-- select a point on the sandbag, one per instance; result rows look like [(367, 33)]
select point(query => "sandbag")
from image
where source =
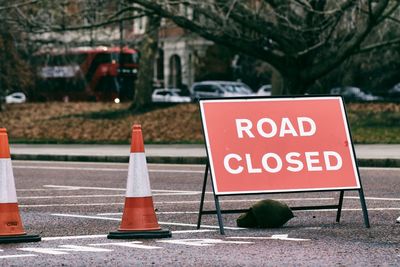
[(266, 214)]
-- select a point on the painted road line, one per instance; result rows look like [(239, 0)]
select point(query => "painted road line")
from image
[(69, 205), (274, 237), (348, 209), (86, 217), (162, 223), (117, 189), (71, 196), (184, 193), (202, 242), (17, 256), (119, 203), (57, 238), (97, 196), (132, 244), (158, 212), (192, 231), (72, 237), (102, 169), (172, 202), (68, 187), (46, 189), (376, 198), (64, 249), (203, 225)]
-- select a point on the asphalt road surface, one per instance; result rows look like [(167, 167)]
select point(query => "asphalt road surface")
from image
[(73, 206)]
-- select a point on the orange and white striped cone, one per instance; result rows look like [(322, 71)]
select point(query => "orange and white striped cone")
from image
[(11, 229), (139, 219)]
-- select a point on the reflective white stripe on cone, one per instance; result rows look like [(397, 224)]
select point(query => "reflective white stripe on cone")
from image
[(7, 185), (138, 184)]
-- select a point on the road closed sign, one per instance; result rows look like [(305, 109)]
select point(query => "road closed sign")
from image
[(268, 145)]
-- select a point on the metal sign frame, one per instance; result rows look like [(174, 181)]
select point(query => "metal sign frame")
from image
[(217, 195)]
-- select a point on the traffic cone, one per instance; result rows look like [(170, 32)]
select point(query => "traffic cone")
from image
[(139, 219), (11, 229)]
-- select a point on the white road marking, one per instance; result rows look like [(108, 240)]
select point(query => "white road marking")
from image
[(72, 237), (69, 205), (70, 196), (102, 169), (191, 231), (17, 256), (45, 189), (276, 237), (356, 209), (132, 244), (376, 198), (86, 217), (69, 168), (151, 165), (203, 225), (117, 189), (65, 249), (158, 212), (175, 202), (99, 196), (202, 242), (162, 223), (69, 187), (56, 238)]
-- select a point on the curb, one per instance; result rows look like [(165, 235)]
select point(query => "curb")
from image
[(382, 163)]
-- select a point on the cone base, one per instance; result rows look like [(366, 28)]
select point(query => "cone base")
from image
[(139, 234), (19, 239)]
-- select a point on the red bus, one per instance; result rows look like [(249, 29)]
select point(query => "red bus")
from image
[(86, 73)]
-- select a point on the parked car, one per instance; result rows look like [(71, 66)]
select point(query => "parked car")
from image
[(264, 90), (394, 92), (210, 89), (16, 98), (351, 93), (170, 95)]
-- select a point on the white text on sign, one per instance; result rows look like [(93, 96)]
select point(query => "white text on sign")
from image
[(273, 163)]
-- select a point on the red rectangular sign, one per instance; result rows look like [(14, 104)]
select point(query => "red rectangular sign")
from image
[(270, 145)]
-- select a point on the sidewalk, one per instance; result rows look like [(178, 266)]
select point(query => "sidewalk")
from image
[(367, 155)]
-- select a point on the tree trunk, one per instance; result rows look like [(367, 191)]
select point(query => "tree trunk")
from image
[(2, 100), (148, 51)]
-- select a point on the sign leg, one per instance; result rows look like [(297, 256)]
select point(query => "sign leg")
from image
[(203, 192), (219, 215), (364, 208), (340, 205)]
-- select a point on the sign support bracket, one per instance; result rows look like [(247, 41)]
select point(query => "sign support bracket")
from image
[(219, 212), (340, 205), (364, 207), (217, 206)]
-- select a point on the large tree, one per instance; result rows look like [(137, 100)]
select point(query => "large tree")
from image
[(15, 73), (148, 50), (303, 40)]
